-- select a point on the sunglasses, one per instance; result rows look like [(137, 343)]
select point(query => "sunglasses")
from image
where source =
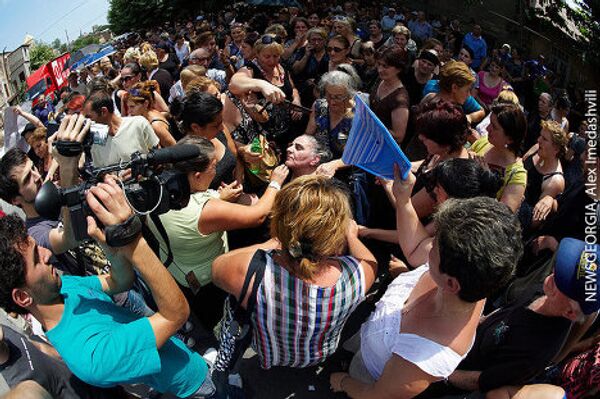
[(268, 39), (335, 49), (127, 78)]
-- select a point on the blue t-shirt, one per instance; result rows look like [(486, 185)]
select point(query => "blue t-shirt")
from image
[(479, 47), (470, 106), (105, 345)]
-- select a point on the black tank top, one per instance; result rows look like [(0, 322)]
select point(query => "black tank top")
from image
[(534, 181)]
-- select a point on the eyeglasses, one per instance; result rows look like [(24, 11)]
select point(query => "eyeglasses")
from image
[(199, 59), (337, 97), (268, 39), (335, 49)]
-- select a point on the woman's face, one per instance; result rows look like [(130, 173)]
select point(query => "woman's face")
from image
[(300, 28), (425, 67), (247, 51), (495, 69), (336, 50), (238, 34), (128, 78), (337, 97), (496, 134), (211, 46), (314, 20), (547, 148), (387, 72), (317, 42), (212, 129), (374, 29), (465, 57), (269, 58), (341, 28), (40, 148), (137, 108), (433, 148), (544, 105), (401, 40), (460, 94)]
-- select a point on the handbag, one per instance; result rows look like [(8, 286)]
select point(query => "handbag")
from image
[(235, 329), (269, 161)]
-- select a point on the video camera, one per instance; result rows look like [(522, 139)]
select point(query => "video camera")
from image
[(148, 190)]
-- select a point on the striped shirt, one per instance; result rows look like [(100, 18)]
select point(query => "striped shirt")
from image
[(298, 324)]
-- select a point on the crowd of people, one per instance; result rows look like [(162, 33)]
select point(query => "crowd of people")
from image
[(475, 275)]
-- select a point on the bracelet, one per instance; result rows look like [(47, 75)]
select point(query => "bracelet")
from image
[(342, 382), (275, 185)]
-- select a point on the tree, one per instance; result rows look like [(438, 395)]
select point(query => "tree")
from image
[(39, 54), (83, 41)]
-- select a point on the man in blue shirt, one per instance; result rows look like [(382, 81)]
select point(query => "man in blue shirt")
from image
[(477, 43), (43, 109), (420, 29), (102, 343)]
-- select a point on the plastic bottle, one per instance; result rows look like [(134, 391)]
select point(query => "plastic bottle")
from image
[(255, 147)]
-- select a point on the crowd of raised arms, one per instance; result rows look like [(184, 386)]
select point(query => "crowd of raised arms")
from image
[(473, 277)]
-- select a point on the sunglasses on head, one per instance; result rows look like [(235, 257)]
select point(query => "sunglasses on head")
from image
[(339, 18), (335, 49), (135, 92), (268, 39)]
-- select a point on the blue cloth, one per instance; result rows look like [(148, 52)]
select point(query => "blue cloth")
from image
[(421, 31), (43, 113), (105, 345), (370, 145), (470, 106), (479, 47)]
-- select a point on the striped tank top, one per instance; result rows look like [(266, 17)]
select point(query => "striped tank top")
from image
[(298, 324)]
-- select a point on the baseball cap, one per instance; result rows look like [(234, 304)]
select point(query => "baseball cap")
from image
[(576, 273), (431, 56)]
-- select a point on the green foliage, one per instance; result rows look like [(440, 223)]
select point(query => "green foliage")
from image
[(131, 15), (40, 53), (83, 41)]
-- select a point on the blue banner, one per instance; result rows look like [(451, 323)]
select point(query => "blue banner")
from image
[(370, 145)]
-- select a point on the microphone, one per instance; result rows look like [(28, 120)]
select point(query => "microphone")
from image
[(174, 154)]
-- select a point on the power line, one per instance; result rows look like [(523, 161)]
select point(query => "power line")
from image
[(61, 17)]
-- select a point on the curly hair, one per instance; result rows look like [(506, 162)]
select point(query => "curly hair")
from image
[(13, 237), (479, 242), (443, 122), (9, 187)]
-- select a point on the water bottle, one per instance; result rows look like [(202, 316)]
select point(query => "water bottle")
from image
[(255, 147)]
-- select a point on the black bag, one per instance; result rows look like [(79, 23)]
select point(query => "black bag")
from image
[(235, 330)]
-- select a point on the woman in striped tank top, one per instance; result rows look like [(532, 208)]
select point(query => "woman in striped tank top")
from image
[(309, 288)]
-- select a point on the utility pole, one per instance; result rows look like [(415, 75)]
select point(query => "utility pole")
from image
[(68, 42)]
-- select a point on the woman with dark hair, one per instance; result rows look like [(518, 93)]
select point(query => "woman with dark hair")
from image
[(467, 55), (292, 46), (338, 49), (376, 34), (389, 98), (500, 151), (201, 114), (310, 63), (443, 129), (198, 233), (345, 26), (491, 82), (131, 74)]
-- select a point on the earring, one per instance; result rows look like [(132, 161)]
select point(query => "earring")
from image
[(505, 145)]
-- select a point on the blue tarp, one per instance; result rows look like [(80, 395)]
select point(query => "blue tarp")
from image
[(89, 59)]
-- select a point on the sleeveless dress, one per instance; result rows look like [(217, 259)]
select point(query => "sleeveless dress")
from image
[(225, 166)]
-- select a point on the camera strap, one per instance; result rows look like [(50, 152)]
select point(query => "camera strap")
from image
[(161, 229), (119, 235)]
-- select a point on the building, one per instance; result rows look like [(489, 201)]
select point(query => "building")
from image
[(18, 66)]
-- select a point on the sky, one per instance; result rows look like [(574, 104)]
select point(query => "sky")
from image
[(47, 20)]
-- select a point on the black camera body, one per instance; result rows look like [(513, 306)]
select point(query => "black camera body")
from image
[(149, 191)]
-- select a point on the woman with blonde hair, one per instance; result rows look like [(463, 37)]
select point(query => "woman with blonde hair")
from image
[(345, 26), (149, 61), (307, 279), (455, 85), (140, 100), (545, 179), (267, 77)]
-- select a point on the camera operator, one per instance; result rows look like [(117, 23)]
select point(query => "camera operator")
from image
[(126, 135), (197, 233), (20, 182), (103, 344)]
